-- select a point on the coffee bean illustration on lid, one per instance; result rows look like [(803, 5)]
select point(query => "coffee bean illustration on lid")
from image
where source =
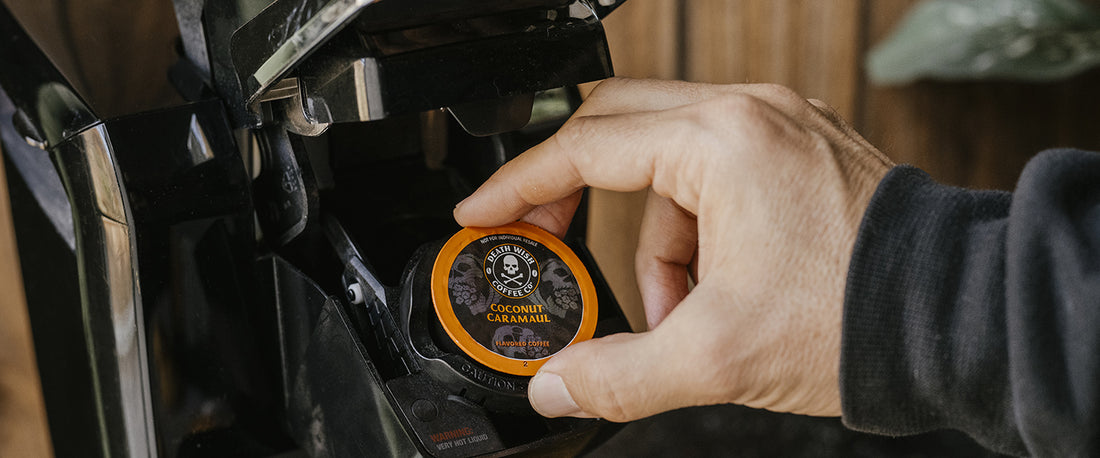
[(512, 296)]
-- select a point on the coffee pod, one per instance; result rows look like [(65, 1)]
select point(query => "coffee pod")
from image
[(510, 297)]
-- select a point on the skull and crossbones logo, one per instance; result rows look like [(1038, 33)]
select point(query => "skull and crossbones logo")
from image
[(511, 270), (511, 274)]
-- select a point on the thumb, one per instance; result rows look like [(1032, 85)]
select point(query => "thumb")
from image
[(621, 377)]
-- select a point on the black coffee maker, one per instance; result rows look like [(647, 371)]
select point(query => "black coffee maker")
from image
[(240, 274)]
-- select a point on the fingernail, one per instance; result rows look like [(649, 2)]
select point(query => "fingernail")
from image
[(459, 204), (550, 397)]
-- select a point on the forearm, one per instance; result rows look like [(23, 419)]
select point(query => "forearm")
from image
[(956, 304)]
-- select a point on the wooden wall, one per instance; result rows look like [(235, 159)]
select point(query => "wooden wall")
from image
[(23, 428), (967, 134)]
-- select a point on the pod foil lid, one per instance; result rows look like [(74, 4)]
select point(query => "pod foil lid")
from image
[(512, 296)]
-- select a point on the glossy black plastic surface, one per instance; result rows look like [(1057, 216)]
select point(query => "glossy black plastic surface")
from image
[(444, 64), (215, 378), (48, 110)]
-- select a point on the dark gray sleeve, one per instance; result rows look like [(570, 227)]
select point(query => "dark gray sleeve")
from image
[(979, 311)]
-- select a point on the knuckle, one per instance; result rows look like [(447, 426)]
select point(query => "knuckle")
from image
[(572, 134), (818, 140), (570, 140), (717, 119), (780, 92), (819, 144), (610, 85), (732, 105), (787, 100)]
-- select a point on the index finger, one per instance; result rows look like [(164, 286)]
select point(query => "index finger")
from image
[(602, 151), (607, 99), (614, 143)]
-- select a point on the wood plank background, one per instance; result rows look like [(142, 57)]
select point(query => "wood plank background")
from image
[(23, 429), (974, 134)]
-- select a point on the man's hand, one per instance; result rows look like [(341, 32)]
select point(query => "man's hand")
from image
[(756, 192)]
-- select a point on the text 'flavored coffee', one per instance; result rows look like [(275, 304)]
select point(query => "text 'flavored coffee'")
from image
[(512, 296)]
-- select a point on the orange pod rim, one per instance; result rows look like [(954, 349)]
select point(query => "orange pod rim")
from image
[(458, 333)]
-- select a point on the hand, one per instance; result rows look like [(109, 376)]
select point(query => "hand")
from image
[(755, 190)]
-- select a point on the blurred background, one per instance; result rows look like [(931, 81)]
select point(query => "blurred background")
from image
[(971, 131)]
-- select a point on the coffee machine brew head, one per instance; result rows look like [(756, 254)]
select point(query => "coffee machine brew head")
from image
[(308, 63)]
